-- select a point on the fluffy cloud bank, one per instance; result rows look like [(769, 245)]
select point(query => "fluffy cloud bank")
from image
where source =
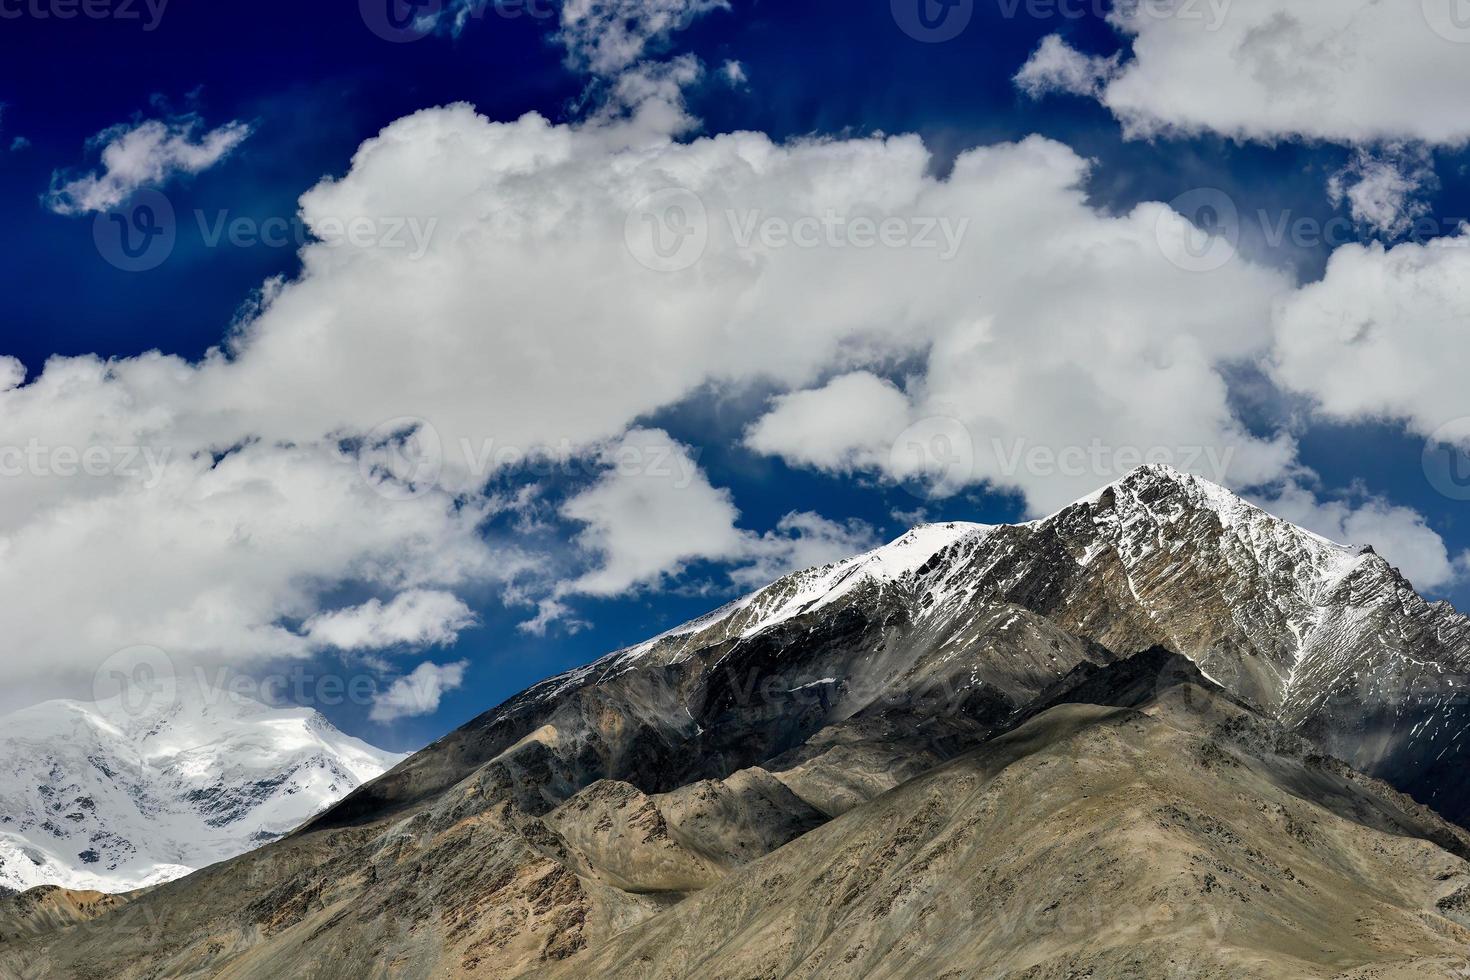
[(1041, 320), (579, 278), (220, 558), (651, 512), (1349, 71)]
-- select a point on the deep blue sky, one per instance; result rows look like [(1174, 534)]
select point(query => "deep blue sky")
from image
[(315, 82)]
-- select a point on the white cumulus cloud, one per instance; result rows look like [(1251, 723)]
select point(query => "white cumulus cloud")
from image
[(800, 540), (478, 336), (1382, 334), (1349, 71), (229, 504), (652, 511)]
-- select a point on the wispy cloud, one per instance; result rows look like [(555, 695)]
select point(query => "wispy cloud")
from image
[(417, 618), (1383, 189), (142, 154), (419, 693)]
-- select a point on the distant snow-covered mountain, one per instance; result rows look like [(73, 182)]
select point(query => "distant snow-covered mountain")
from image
[(93, 796)]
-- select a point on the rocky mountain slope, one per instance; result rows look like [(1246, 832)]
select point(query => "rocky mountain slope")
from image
[(1176, 836), (924, 761), (96, 797), (964, 623)]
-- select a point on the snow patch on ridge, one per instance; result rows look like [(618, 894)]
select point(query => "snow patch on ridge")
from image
[(820, 587)]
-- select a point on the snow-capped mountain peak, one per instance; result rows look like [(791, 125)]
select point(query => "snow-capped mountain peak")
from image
[(107, 796), (1327, 638), (1151, 507)]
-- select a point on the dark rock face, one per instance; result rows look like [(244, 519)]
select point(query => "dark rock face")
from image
[(654, 785)]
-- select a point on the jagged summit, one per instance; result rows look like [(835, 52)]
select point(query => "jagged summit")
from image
[(1322, 635), (1159, 482), (1152, 504)]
